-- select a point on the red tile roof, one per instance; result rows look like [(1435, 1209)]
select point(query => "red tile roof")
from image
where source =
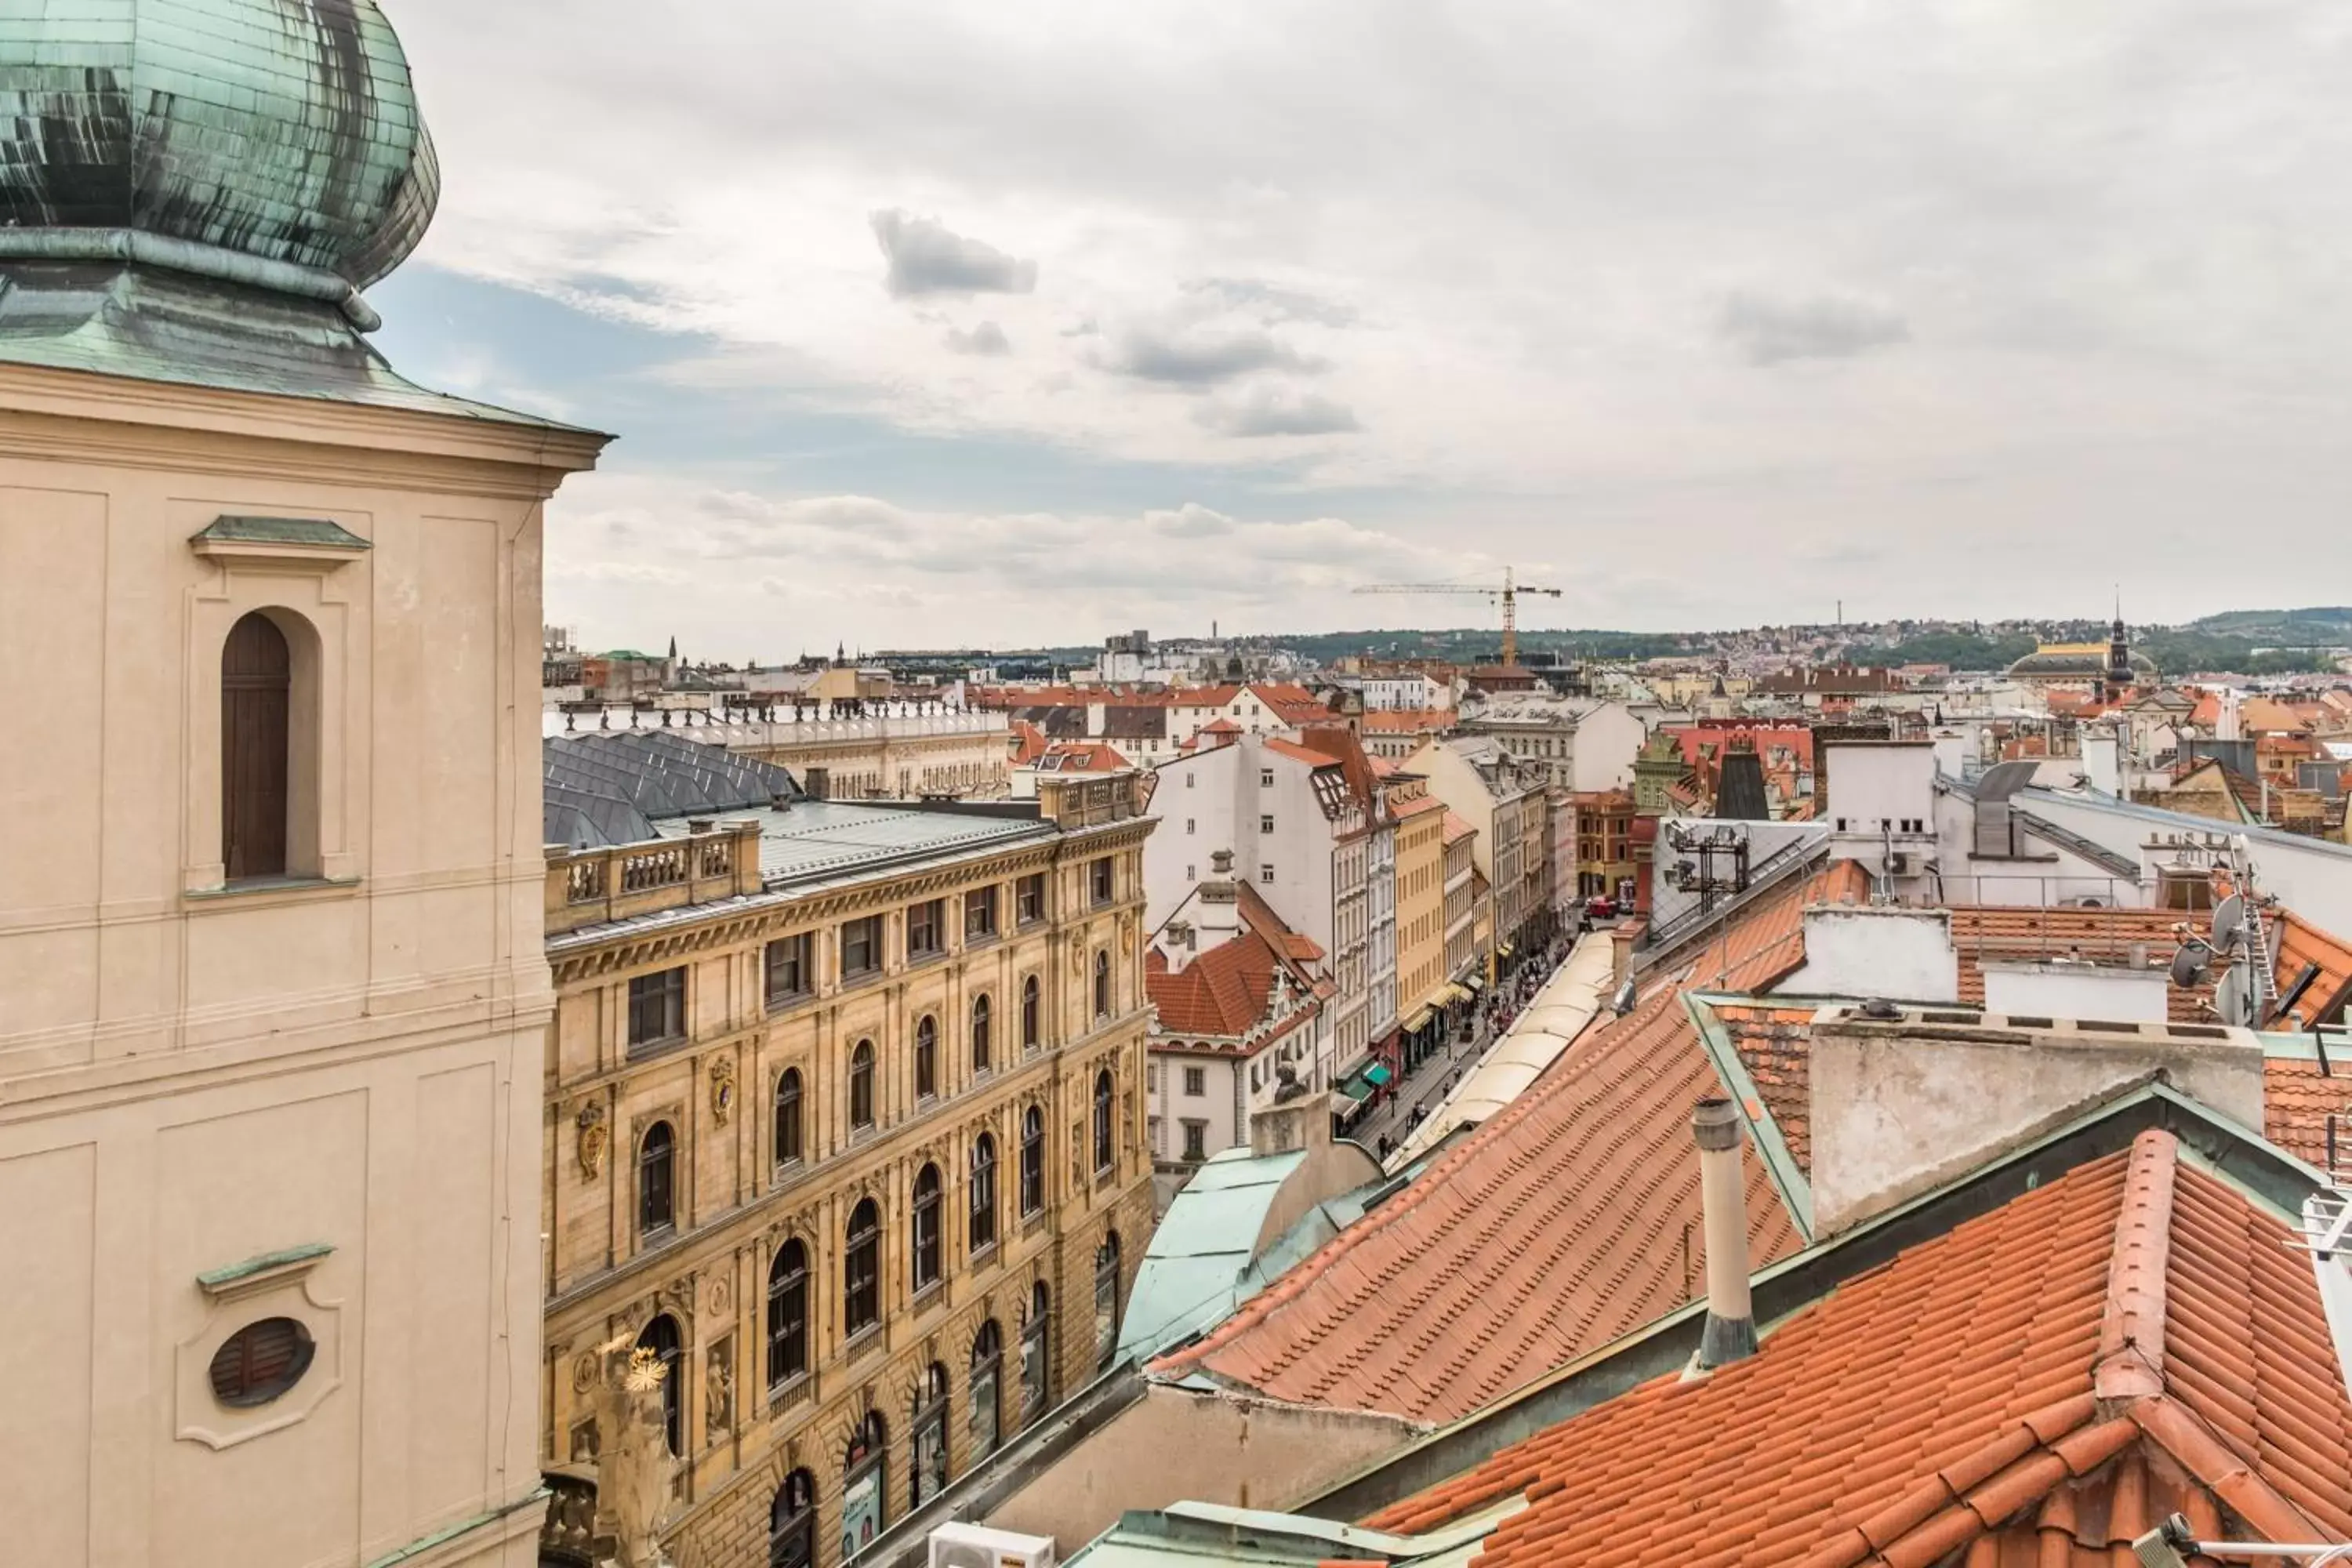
[(1552, 1229), (2031, 932), (1776, 1048), (1765, 941), (1409, 721), (1456, 829), (2036, 1386), (2303, 945), (1226, 991), (1081, 757), (2298, 1102)]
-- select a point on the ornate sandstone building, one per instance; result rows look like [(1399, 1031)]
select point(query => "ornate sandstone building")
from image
[(844, 1123), (273, 996)]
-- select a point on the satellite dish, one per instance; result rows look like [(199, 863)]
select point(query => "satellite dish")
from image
[(2227, 915), (2229, 997), (1622, 1003), (2188, 964)]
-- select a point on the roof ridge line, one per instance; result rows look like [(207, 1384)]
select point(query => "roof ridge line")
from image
[(2130, 1364), (2182, 1433)]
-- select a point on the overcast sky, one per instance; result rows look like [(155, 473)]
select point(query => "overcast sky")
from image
[(928, 324)]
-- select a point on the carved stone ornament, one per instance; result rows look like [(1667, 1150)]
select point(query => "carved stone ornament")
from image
[(632, 1461), (718, 1388), (722, 1088), (719, 1298), (595, 1139), (583, 1374)]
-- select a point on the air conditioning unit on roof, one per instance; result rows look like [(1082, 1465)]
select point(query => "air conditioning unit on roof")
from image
[(977, 1546)]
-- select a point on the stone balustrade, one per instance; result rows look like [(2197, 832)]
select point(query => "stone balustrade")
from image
[(590, 886)]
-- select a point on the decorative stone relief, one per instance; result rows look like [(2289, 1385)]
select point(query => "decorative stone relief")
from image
[(593, 1138), (722, 1088)]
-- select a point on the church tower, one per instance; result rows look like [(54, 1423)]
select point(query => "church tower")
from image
[(2118, 682)]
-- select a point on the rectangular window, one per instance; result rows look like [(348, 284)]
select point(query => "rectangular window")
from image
[(1189, 873), (927, 932), (656, 1008), (1196, 1139), (1029, 900), (1099, 880), (1265, 873), (979, 914), (789, 974), (1266, 778), (1188, 780), (1151, 1077), (1266, 825), (861, 946), (1196, 1082), (1189, 825)]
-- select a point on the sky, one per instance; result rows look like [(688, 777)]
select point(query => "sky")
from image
[(942, 324)]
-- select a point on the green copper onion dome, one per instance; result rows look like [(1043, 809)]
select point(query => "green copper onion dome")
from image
[(272, 143)]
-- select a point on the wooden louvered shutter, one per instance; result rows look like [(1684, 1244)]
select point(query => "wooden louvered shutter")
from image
[(256, 671)]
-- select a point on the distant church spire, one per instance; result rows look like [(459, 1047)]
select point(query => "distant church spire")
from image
[(2120, 665)]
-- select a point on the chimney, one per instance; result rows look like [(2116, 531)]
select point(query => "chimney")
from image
[(1730, 1333), (1217, 916)]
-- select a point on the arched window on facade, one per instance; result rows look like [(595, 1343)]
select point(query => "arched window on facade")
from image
[(256, 749), (661, 1336), (792, 1523), (1106, 1149), (656, 1181), (980, 1030), (987, 1368), (930, 1429), (861, 1270), (1106, 1301), (861, 1086), (926, 1057), (1102, 983), (984, 1192), (1032, 1160), (866, 1485), (787, 1318), (789, 1132), (927, 1227), (1036, 1354), (1031, 1020)]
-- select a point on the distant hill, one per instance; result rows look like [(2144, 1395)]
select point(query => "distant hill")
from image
[(2322, 625)]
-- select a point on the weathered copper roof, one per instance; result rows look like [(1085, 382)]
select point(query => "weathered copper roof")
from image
[(283, 130)]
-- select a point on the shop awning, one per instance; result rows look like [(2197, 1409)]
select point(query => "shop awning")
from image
[(1453, 993), (1376, 1075), (1472, 984), (1504, 951), (1419, 1021), (1356, 1088)]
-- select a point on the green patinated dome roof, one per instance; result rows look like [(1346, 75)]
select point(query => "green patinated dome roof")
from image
[(283, 130)]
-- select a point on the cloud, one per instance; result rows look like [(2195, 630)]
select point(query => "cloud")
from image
[(1276, 411), (1274, 305), (1764, 330), (928, 257), (987, 339), (1202, 356)]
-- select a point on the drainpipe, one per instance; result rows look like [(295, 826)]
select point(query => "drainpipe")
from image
[(1730, 1333)]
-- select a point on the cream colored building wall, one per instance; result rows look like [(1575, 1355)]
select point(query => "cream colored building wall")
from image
[(973, 763), (192, 1077), (1239, 1452), (1421, 910)]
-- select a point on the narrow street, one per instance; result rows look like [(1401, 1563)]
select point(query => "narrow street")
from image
[(1425, 1088)]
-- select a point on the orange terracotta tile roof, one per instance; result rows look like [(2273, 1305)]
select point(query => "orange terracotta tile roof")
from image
[(1776, 1048), (1408, 721), (1417, 806), (2036, 1386), (2297, 1100), (1262, 918), (1552, 1229), (1029, 742), (2030, 933), (1456, 829), (1081, 757), (1765, 941), (2302, 946)]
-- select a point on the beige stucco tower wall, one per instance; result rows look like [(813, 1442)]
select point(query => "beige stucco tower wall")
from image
[(321, 1092)]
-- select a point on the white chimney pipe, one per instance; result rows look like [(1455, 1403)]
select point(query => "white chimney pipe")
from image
[(1730, 1333)]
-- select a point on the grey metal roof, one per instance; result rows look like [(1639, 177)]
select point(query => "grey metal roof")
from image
[(1192, 1273), (819, 839), (282, 530), (655, 776)]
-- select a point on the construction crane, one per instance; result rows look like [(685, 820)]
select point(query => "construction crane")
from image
[(1508, 594)]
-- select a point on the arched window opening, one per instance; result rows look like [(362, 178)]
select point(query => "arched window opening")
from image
[(1105, 1149), (792, 1523), (1030, 1014), (866, 1485), (984, 1192), (256, 749), (980, 1029), (656, 1181), (1106, 1301), (927, 1227), (861, 1086), (1102, 983), (1036, 1359), (987, 1365), (931, 1426), (926, 1057), (661, 1336), (861, 1270), (789, 1132), (1033, 1160), (788, 1344)]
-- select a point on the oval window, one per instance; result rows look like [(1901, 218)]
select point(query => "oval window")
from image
[(261, 1361)]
